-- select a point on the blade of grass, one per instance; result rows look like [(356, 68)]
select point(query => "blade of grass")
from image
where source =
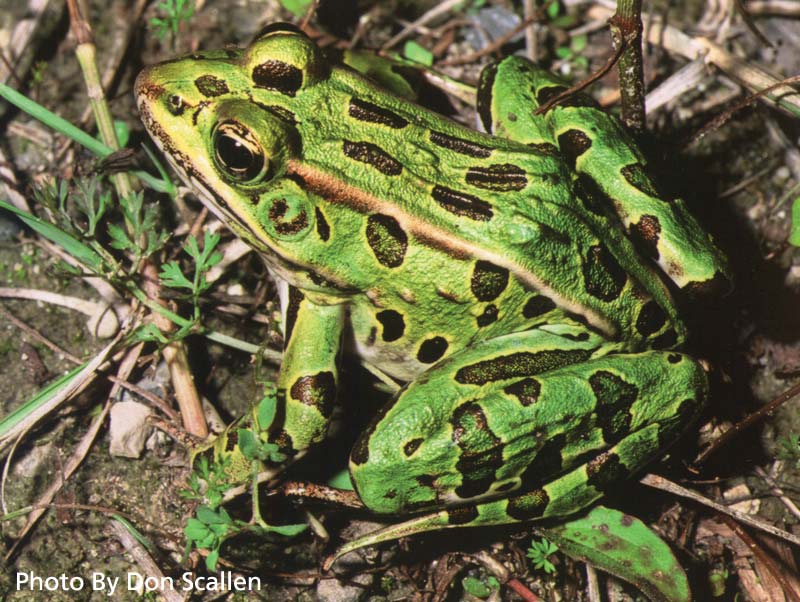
[(76, 134), (87, 256)]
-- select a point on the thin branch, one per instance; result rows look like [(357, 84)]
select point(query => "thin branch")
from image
[(663, 484)]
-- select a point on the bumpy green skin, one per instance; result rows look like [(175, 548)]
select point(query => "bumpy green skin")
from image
[(508, 278)]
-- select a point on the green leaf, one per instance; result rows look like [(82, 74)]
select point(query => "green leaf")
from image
[(563, 52), (539, 554), (288, 530), (149, 333), (476, 587), (417, 53), (578, 43), (624, 546), (195, 530), (296, 7), (553, 9), (341, 480), (211, 560), (265, 411), (172, 276), (213, 517), (247, 444), (794, 234), (119, 238)]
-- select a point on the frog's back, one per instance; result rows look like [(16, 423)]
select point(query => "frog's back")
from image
[(496, 204), (387, 195)]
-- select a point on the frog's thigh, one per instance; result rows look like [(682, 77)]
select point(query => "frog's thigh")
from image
[(308, 375), (549, 440), (611, 170)]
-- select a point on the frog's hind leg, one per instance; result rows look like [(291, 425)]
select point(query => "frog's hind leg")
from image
[(611, 170), (530, 425)]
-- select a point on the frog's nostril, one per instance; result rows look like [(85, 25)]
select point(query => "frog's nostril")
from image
[(175, 104)]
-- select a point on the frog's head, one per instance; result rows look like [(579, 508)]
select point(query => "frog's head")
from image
[(225, 120)]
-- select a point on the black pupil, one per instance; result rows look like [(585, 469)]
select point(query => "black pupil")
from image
[(238, 158)]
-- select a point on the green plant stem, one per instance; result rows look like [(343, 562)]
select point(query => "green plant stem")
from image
[(86, 54)]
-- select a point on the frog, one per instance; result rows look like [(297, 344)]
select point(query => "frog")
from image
[(521, 284)]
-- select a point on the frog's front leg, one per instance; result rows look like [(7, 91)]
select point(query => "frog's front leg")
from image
[(530, 425), (308, 378)]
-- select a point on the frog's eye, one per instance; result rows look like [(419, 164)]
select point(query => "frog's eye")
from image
[(237, 154)]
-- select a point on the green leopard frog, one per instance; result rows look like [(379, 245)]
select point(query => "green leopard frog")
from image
[(520, 282)]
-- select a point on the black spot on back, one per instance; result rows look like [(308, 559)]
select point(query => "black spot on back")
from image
[(459, 145), (547, 149), (393, 324), (372, 113), (636, 175), (360, 452), (605, 471), (481, 451), (603, 276), (593, 197), (537, 306), (521, 363), (281, 113), (292, 308), (488, 280), (461, 516), (686, 412), (489, 316), (546, 463), (485, 90), (645, 235), (614, 400), (462, 204), (651, 319), (317, 390), (528, 506), (279, 76), (372, 154), (501, 177), (323, 229), (411, 446), (573, 143), (210, 86), (387, 240), (432, 349), (526, 391)]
